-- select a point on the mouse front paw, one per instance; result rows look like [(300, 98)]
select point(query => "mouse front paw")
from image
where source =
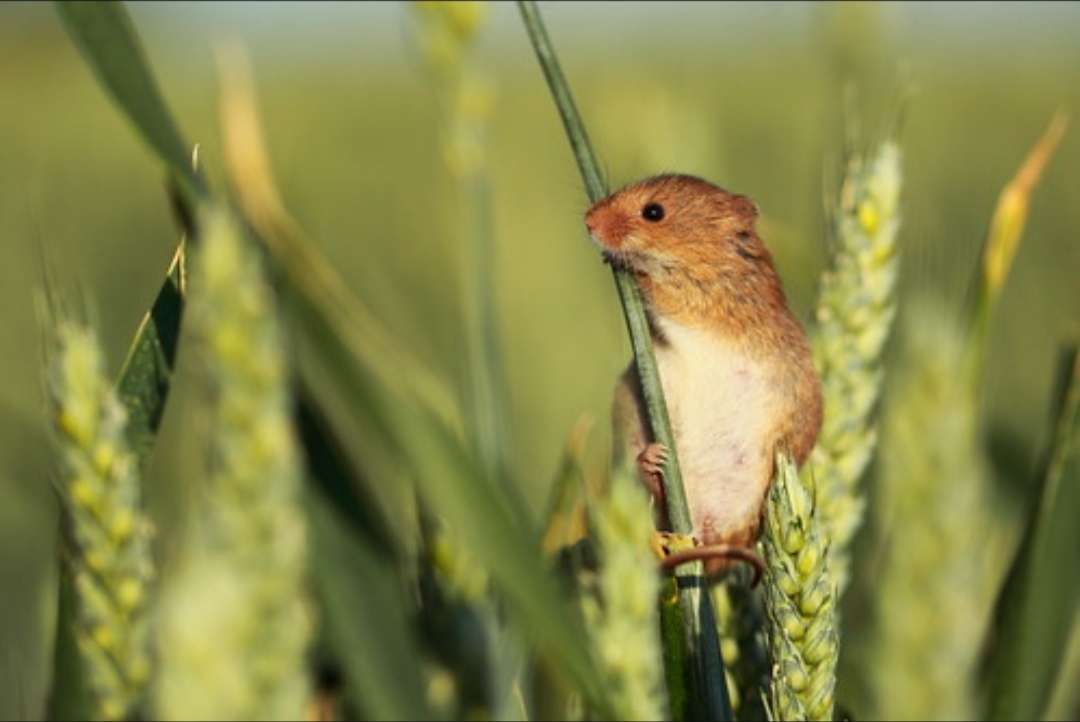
[(651, 461), (666, 543)]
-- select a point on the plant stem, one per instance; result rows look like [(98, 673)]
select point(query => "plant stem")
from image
[(486, 378), (707, 668), (564, 101), (629, 294)]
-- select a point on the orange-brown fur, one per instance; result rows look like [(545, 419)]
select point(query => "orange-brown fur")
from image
[(703, 267)]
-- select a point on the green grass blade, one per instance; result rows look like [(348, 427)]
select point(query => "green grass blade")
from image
[(486, 373), (352, 543), (336, 478), (1039, 600), (109, 41), (707, 666), (104, 33), (452, 482), (363, 607), (1065, 699), (304, 271), (144, 380)]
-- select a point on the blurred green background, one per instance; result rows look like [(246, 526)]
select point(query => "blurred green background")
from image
[(749, 96)]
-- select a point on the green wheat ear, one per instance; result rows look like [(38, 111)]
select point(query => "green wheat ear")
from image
[(620, 603), (108, 533), (235, 624), (855, 312), (934, 590), (800, 600)]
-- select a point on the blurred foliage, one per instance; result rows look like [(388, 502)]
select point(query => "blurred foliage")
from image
[(234, 619), (360, 165), (1028, 645), (621, 609), (940, 549)]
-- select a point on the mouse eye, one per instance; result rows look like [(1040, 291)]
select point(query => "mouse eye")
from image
[(652, 212)]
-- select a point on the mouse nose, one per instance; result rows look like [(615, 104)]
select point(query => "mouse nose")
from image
[(591, 223)]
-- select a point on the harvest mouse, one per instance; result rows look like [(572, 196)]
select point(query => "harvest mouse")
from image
[(734, 363)]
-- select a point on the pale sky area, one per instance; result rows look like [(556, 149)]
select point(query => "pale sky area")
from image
[(299, 30)]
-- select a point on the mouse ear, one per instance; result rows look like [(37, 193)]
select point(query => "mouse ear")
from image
[(749, 246), (746, 208)]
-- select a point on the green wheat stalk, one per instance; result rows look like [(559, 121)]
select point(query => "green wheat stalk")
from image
[(800, 600), (108, 539), (235, 624), (447, 33), (705, 665), (856, 306)]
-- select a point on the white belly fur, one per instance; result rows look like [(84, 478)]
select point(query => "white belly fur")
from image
[(720, 405)]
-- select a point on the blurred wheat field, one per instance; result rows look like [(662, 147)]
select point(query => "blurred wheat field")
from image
[(355, 142)]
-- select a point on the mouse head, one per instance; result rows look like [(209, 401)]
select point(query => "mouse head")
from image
[(689, 242), (668, 223)]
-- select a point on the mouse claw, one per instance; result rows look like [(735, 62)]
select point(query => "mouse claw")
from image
[(651, 461), (666, 543), (653, 458)]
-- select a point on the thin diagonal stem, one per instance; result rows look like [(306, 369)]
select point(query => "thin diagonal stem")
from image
[(708, 689)]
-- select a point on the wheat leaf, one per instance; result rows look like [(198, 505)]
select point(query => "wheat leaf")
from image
[(144, 380), (1038, 601), (367, 627), (104, 33)]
